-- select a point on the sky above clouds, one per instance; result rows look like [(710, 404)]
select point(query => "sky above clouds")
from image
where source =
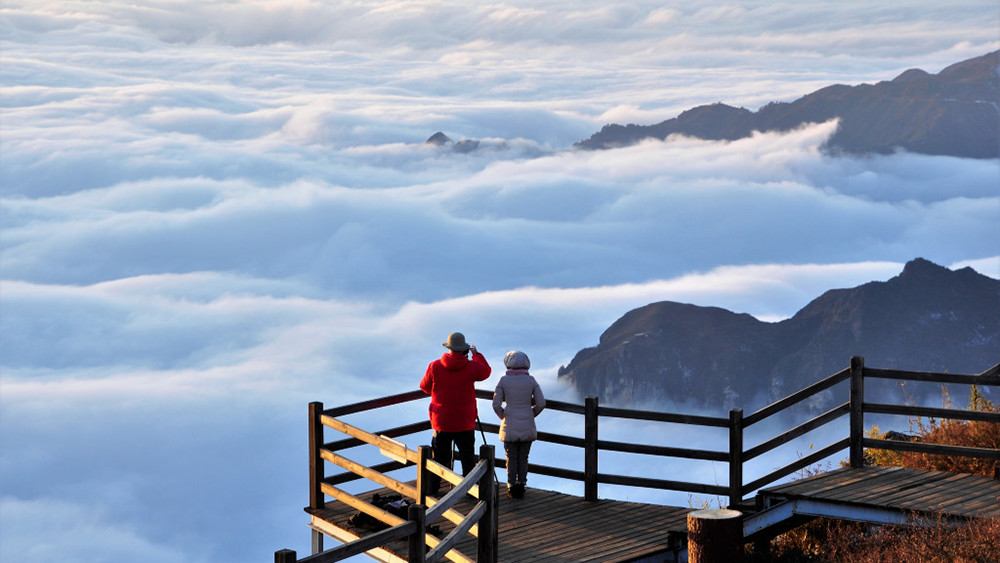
[(215, 212)]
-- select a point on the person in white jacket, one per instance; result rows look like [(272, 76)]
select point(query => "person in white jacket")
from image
[(524, 401)]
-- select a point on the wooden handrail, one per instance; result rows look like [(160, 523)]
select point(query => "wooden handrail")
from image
[(466, 486), (364, 544), (799, 430), (356, 503), (448, 543), (380, 442), (663, 451), (653, 416), (985, 378), (347, 476), (799, 396), (375, 403), (367, 473), (954, 414), (391, 433), (797, 465), (647, 483), (571, 474), (937, 449), (550, 404)]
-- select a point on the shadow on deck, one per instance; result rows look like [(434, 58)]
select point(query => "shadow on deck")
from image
[(549, 527)]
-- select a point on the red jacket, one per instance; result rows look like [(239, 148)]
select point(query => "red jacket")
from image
[(451, 383)]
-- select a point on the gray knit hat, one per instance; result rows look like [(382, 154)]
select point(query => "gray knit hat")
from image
[(515, 359), (456, 343)]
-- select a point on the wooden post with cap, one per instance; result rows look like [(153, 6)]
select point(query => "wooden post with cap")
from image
[(715, 535)]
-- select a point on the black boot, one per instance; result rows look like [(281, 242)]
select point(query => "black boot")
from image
[(519, 490), (510, 490)]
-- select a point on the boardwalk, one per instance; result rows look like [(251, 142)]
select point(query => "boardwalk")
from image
[(551, 527)]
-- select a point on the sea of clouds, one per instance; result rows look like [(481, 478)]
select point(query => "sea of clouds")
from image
[(215, 212)]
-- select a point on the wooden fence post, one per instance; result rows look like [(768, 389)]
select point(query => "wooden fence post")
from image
[(590, 449), (417, 541), (285, 556), (316, 499), (422, 474), (487, 544), (735, 457), (315, 461), (857, 411)]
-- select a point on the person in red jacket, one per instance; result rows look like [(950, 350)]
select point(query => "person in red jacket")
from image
[(450, 381)]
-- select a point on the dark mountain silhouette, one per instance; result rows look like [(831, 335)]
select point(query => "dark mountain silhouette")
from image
[(442, 140), (928, 318), (955, 112)]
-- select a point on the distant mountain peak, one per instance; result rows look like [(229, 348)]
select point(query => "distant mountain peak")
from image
[(951, 113), (464, 146), (923, 269), (438, 138), (912, 74)]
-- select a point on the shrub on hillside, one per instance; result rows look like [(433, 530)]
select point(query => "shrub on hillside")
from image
[(975, 434), (825, 541)]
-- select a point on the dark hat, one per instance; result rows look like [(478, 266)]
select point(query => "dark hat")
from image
[(456, 342)]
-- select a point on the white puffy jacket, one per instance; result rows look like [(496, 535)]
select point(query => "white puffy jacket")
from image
[(524, 400)]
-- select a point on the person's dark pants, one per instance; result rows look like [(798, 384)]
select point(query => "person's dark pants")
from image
[(444, 444), (517, 461)]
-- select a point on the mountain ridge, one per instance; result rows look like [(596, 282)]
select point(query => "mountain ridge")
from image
[(927, 318), (955, 112)]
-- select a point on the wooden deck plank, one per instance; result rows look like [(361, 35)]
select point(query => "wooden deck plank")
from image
[(875, 490), (951, 494), (962, 495), (597, 527), (552, 527), (865, 485), (977, 501), (843, 478), (914, 494), (882, 494), (988, 507)]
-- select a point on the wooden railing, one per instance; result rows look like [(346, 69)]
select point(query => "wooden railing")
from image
[(480, 482), (856, 407), (591, 444)]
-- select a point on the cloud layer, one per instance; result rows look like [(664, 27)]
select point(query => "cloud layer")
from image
[(215, 212)]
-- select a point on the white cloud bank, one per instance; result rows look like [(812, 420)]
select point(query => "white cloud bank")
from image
[(214, 212)]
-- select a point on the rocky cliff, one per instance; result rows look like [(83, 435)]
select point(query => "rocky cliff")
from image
[(928, 318)]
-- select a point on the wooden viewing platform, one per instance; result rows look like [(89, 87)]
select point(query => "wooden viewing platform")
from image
[(474, 523), (549, 527)]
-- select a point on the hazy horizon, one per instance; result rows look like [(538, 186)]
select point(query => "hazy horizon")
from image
[(215, 212)]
